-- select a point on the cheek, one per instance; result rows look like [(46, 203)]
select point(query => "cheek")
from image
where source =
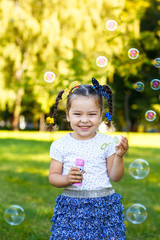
[(96, 120), (99, 120), (73, 120)]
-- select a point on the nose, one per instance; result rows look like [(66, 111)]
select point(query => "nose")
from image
[(84, 119)]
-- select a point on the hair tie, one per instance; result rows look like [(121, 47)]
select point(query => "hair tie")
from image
[(108, 116), (49, 120), (67, 90), (98, 88)]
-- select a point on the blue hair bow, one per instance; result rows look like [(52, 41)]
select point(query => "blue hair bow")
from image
[(108, 116), (99, 88)]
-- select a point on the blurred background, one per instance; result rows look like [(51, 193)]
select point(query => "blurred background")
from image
[(66, 38)]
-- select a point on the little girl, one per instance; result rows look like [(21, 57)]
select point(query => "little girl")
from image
[(92, 210)]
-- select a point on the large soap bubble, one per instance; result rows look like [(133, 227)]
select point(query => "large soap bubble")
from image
[(136, 214), (139, 169), (101, 61), (14, 215), (49, 77), (133, 53), (111, 25), (150, 115), (155, 84)]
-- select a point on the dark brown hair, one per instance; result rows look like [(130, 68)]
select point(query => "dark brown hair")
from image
[(86, 91)]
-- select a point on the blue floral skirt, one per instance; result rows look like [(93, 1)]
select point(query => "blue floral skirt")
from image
[(88, 218)]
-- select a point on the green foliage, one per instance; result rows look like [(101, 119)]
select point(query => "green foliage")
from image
[(143, 191), (66, 38)]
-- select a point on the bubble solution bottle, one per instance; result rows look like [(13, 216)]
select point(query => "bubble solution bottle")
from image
[(80, 164)]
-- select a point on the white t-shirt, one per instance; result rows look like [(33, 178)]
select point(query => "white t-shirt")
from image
[(94, 151)]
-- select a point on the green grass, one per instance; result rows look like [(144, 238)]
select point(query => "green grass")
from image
[(24, 164), (144, 191)]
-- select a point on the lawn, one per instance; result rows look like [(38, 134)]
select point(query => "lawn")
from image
[(24, 168)]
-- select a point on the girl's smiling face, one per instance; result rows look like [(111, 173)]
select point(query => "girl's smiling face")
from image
[(84, 116)]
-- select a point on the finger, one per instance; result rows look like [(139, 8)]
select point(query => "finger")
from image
[(74, 169), (124, 143), (77, 180), (77, 173), (124, 140), (76, 176)]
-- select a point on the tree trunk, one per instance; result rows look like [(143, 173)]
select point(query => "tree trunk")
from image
[(126, 110), (20, 92), (42, 122), (17, 109)]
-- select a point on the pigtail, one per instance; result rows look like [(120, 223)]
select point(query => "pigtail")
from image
[(110, 104), (59, 97), (51, 121)]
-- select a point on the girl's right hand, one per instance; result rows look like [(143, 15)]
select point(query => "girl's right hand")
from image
[(75, 176)]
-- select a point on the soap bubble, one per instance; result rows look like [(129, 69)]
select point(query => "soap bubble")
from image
[(150, 115), (156, 62), (49, 77), (111, 25), (139, 86), (139, 169), (14, 215), (137, 213), (101, 61), (133, 53), (155, 84)]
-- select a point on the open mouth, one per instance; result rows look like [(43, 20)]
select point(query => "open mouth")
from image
[(84, 127)]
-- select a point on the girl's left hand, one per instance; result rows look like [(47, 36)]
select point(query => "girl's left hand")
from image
[(122, 148)]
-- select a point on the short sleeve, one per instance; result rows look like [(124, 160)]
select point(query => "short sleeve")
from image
[(56, 151), (111, 149)]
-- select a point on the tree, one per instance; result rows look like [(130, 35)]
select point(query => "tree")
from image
[(66, 38)]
